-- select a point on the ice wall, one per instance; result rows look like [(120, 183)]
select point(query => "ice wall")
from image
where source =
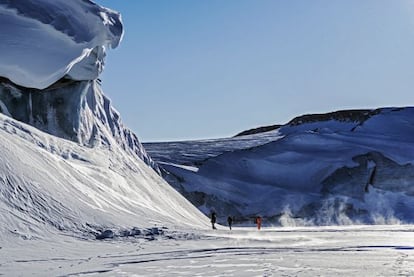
[(51, 55), (46, 40)]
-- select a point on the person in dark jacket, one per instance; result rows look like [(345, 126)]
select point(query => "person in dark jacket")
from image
[(230, 221), (259, 222), (213, 220)]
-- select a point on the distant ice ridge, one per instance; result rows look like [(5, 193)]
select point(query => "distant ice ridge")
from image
[(46, 40), (346, 167)]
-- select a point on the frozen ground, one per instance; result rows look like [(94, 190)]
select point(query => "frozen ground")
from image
[(326, 251)]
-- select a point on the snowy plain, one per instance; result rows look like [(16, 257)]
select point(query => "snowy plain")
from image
[(312, 251)]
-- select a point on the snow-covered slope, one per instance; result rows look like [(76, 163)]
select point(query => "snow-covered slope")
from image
[(354, 168), (67, 163), (48, 184)]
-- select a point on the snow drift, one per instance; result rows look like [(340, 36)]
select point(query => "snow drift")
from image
[(48, 184), (340, 168)]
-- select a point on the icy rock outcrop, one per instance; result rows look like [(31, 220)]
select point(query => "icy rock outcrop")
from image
[(355, 181)]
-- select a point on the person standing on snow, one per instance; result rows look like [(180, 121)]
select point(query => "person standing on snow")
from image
[(259, 222), (230, 221), (213, 220)]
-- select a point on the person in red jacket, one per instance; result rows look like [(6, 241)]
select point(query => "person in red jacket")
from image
[(259, 222)]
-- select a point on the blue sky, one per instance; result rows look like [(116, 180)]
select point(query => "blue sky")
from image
[(189, 69)]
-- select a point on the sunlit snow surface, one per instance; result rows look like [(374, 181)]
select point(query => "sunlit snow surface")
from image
[(322, 251), (45, 40), (51, 185)]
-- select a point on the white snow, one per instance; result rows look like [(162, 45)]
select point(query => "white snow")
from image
[(51, 39), (49, 184), (289, 172), (322, 251), (187, 152), (100, 181)]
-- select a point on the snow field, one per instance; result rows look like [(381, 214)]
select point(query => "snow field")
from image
[(317, 251)]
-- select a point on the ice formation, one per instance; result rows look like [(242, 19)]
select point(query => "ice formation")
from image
[(44, 40), (50, 57), (67, 162)]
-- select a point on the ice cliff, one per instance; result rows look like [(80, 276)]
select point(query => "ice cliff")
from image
[(44, 41), (51, 55), (67, 163)]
